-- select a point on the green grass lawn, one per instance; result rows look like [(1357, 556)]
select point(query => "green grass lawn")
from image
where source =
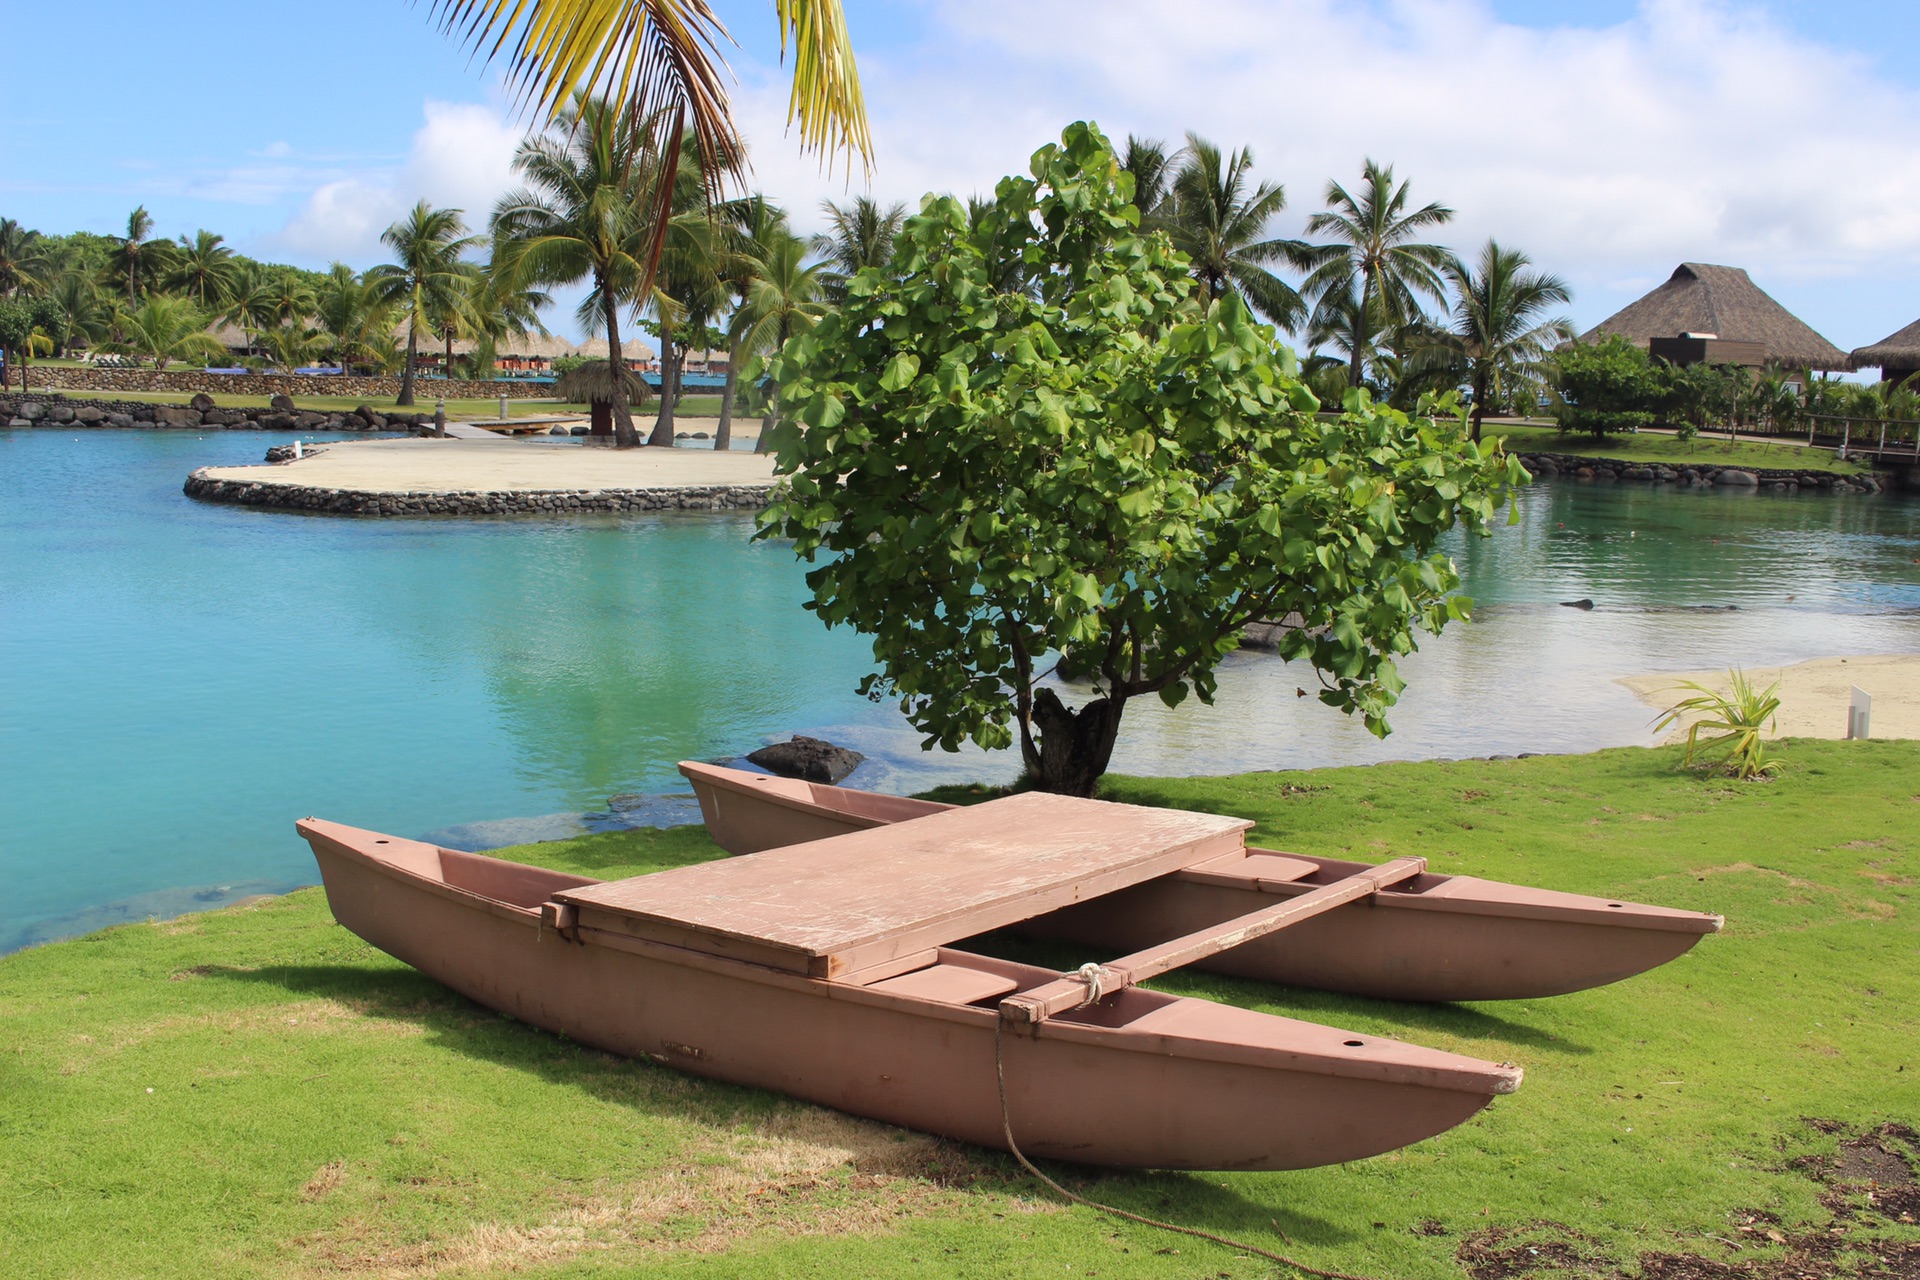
[(256, 1092), (1651, 447)]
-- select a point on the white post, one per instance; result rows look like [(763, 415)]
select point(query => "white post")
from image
[(503, 408), (1859, 714), (296, 450)]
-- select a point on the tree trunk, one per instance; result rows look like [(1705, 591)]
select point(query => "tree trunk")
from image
[(406, 377), (1074, 747), (1356, 364), (446, 368), (624, 436), (723, 434), (662, 436), (1479, 402)]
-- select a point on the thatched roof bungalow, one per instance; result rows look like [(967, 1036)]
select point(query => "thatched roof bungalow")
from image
[(632, 350), (1897, 355), (1719, 315)]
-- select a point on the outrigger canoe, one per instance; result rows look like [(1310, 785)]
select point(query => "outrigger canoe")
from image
[(824, 971), (1432, 937)]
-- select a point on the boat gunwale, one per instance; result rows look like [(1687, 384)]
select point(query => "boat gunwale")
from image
[(738, 787), (1634, 914), (1491, 1079)]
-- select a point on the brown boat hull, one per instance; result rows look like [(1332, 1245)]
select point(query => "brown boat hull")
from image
[(1144, 1080), (1453, 938)]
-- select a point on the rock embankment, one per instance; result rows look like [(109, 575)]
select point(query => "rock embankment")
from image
[(1547, 466), (69, 378), (361, 502), (65, 413)]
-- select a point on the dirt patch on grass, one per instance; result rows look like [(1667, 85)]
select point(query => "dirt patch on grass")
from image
[(1870, 1192), (803, 1171)]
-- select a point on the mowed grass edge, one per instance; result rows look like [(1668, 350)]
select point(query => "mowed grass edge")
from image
[(256, 1092)]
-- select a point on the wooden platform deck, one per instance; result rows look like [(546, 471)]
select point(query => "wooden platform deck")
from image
[(874, 903)]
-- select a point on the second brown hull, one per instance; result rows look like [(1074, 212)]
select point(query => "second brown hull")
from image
[(1449, 938)]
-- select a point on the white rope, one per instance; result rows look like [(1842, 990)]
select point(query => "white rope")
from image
[(1096, 979)]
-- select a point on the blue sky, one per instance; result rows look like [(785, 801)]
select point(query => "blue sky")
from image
[(1611, 140)]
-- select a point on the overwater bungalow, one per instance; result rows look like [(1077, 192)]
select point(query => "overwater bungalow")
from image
[(1718, 315), (1897, 355)]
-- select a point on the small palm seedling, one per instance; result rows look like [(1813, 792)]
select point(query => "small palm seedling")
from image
[(1735, 720)]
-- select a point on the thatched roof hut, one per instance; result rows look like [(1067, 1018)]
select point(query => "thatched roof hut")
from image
[(1897, 355), (630, 349), (1704, 302)]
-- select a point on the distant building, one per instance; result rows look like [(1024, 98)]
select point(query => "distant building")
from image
[(1718, 315), (1897, 355)]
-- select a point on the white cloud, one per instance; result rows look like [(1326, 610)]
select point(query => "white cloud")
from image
[(461, 157), (1693, 130)]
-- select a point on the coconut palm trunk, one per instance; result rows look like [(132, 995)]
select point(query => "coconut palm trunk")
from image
[(662, 436), (406, 376), (723, 434), (624, 436)]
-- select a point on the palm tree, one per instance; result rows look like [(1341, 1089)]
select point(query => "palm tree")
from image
[(763, 226), (165, 328), (358, 330), (659, 61), (1500, 326), (579, 218), (1339, 323), (429, 278), (1152, 169), (1221, 225), (1374, 247), (205, 268), (690, 289), (138, 258), (81, 311), (498, 309), (291, 345), (250, 305), (784, 298), (23, 259), (860, 234)]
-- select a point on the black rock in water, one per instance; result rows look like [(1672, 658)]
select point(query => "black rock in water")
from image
[(809, 759), (1576, 604)]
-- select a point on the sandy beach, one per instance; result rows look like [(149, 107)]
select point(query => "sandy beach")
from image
[(502, 466), (1814, 695)]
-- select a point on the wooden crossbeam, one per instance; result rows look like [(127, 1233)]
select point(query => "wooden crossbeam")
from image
[(1071, 992)]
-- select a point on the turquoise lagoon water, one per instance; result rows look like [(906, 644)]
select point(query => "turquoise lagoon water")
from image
[(178, 681)]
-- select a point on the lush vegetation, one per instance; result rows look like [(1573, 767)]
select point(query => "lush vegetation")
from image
[(1112, 468), (1612, 387), (1669, 448), (317, 1106)]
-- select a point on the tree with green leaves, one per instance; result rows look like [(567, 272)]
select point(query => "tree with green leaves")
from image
[(859, 234), (1152, 169), (80, 313), (205, 268), (1374, 254), (1608, 386), (428, 278), (1105, 474), (1218, 217), (580, 218), (165, 328), (783, 298), (763, 225), (1501, 329), (23, 259)]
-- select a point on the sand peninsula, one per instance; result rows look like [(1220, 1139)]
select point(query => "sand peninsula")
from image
[(490, 477)]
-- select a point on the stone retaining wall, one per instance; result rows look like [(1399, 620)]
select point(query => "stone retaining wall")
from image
[(1547, 466), (360, 502), (63, 412), (70, 378)]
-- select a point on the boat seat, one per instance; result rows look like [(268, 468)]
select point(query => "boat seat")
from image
[(947, 983)]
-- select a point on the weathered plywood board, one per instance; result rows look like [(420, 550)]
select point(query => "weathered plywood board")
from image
[(848, 903)]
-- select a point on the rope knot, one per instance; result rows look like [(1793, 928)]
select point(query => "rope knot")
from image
[(1096, 979)]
